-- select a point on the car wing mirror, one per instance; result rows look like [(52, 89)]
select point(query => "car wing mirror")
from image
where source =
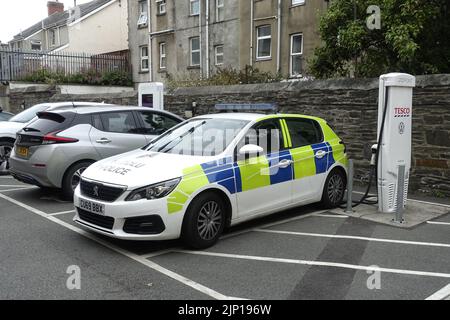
[(250, 150)]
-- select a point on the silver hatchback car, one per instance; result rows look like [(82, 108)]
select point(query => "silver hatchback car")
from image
[(54, 150)]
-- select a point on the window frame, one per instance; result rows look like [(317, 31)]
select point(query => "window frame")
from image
[(159, 5), (218, 8), (141, 122), (143, 58), (295, 3), (191, 52), (191, 6), (261, 38), (143, 12), (162, 56), (220, 54), (136, 122), (292, 55)]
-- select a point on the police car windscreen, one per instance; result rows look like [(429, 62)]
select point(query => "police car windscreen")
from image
[(199, 137)]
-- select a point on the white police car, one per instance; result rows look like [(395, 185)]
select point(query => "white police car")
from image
[(211, 172)]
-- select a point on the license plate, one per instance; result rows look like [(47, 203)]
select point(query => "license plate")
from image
[(92, 207), (22, 151)]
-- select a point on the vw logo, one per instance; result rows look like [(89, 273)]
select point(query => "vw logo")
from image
[(401, 128), (96, 191)]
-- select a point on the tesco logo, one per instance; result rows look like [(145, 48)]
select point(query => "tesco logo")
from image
[(402, 112)]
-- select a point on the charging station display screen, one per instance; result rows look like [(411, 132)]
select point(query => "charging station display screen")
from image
[(147, 100)]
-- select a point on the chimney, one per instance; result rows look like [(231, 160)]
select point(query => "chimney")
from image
[(54, 7)]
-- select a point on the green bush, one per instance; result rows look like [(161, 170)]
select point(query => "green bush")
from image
[(225, 76), (86, 76)]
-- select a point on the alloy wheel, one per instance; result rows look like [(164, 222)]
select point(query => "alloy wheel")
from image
[(336, 188), (76, 178), (5, 152), (209, 220)]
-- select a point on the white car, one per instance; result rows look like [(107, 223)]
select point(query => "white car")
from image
[(211, 172)]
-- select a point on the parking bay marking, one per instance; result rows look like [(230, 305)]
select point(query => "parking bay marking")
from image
[(197, 286), (439, 223), (441, 294), (334, 236), (61, 213), (18, 189), (317, 263)]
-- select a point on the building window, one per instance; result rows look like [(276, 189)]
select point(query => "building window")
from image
[(144, 58), (162, 56), (195, 51), (297, 2), (53, 37), (143, 14), (218, 50), (194, 7), (36, 45), (296, 54), (161, 4), (264, 42), (220, 10)]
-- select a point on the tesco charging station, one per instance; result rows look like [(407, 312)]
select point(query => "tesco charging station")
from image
[(151, 95), (394, 141)]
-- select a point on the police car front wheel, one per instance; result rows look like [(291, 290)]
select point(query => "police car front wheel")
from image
[(204, 221)]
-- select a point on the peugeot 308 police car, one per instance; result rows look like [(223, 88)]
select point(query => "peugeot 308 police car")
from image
[(211, 172)]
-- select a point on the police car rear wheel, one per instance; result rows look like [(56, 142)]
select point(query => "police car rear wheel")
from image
[(204, 222), (334, 189)]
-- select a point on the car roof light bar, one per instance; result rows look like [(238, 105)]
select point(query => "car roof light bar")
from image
[(234, 107)]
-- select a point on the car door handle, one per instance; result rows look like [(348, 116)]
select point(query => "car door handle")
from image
[(104, 141), (320, 154), (285, 163)]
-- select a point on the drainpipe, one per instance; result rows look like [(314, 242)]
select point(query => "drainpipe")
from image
[(207, 39), (150, 42), (252, 13), (279, 37), (200, 37)]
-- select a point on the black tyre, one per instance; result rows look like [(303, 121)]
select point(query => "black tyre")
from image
[(5, 151), (334, 189), (72, 178), (204, 221)]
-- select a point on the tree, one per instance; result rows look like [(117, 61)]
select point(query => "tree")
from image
[(414, 37)]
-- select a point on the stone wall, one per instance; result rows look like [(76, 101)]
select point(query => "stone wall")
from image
[(349, 105)]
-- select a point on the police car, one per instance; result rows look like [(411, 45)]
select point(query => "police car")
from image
[(211, 172)]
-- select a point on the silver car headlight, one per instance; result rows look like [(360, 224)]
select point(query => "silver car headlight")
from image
[(154, 191)]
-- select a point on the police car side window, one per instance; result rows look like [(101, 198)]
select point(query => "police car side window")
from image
[(304, 132), (266, 134)]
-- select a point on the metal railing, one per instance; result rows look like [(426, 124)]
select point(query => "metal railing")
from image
[(18, 65)]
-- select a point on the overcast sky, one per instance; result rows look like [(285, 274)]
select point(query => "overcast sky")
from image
[(18, 15)]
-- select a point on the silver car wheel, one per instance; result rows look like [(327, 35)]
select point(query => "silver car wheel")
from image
[(209, 220), (76, 178), (5, 152), (336, 188)]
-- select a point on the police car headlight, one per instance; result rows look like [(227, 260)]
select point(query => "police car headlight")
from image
[(154, 191)]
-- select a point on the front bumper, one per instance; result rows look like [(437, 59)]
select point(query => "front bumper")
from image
[(119, 215)]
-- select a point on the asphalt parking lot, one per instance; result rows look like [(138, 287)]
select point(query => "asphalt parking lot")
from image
[(305, 253)]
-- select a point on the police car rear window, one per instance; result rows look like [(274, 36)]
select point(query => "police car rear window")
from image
[(304, 132)]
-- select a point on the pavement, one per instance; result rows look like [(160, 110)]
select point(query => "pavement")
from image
[(303, 253)]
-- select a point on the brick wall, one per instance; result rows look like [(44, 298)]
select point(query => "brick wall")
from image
[(349, 105)]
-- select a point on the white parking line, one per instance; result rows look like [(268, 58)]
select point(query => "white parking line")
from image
[(318, 263), (197, 286), (439, 223), (441, 294), (61, 213), (334, 236), (413, 200), (330, 216), (157, 253), (13, 185), (17, 189)]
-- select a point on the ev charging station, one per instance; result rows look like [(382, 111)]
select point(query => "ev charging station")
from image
[(394, 141), (151, 95), (391, 156)]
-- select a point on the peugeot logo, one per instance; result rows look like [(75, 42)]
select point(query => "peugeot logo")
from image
[(401, 128), (96, 191)]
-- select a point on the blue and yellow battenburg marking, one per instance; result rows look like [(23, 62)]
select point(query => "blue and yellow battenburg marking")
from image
[(251, 174)]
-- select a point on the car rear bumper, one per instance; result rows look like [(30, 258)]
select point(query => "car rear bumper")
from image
[(23, 171)]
